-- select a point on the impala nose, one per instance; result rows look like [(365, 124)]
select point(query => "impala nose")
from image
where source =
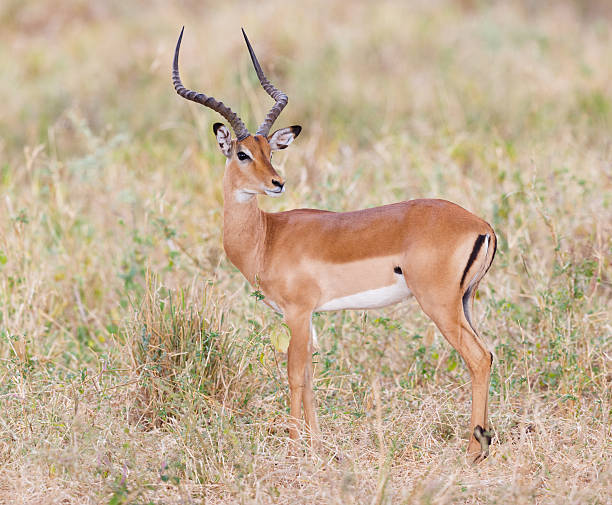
[(278, 184)]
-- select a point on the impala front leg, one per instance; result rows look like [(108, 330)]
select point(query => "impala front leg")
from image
[(299, 368)]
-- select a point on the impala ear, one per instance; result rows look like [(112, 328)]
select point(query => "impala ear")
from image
[(224, 138), (280, 139)]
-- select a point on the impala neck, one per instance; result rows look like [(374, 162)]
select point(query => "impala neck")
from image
[(243, 230)]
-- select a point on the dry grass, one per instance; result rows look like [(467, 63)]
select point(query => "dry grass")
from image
[(135, 363)]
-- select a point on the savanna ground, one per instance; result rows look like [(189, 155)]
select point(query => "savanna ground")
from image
[(136, 364)]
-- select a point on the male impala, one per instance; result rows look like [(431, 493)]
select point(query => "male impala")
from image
[(310, 260)]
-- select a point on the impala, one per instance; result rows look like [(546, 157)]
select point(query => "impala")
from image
[(310, 260)]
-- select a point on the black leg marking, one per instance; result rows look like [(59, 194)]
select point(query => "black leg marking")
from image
[(484, 437), (398, 270), (473, 255)]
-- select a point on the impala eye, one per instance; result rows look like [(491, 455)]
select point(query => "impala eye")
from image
[(243, 156)]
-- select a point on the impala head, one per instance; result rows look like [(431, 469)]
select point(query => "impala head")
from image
[(248, 156)]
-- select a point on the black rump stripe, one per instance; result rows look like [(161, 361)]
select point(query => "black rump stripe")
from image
[(473, 255)]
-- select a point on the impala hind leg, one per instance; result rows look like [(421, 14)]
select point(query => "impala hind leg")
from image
[(457, 329), (299, 368), (481, 360)]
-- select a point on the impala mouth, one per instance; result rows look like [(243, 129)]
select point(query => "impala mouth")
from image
[(275, 192)]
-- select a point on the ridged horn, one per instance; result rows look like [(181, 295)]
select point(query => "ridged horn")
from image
[(208, 101), (279, 97)]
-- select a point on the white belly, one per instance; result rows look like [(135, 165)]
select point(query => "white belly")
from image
[(370, 299)]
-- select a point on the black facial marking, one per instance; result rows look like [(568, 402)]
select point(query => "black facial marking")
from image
[(398, 270), (472, 258)]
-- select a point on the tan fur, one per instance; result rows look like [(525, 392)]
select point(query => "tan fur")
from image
[(303, 258), (307, 259)]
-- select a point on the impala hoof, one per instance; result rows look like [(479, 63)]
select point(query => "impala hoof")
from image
[(484, 438)]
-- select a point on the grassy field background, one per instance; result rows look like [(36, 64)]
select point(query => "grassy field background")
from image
[(135, 362)]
